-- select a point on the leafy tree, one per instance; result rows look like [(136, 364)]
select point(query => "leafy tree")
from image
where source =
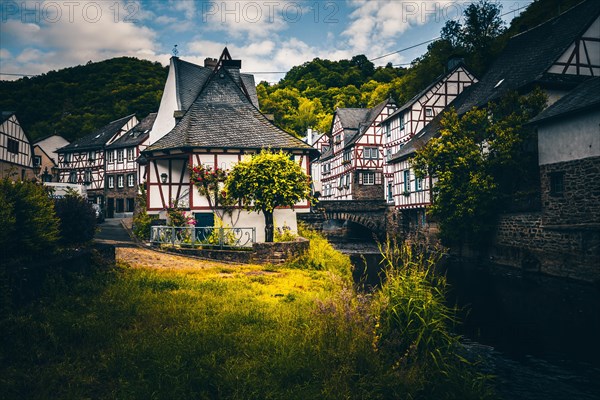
[(481, 159), (265, 181), (29, 224)]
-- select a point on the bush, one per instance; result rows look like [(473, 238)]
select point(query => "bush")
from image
[(77, 220), (29, 226)]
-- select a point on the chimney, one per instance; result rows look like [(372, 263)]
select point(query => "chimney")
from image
[(178, 114), (309, 136), (233, 67), (210, 62)]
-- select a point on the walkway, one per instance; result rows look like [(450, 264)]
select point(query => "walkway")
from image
[(111, 231)]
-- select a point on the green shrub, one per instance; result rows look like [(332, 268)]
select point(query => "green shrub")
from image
[(142, 223), (28, 226), (77, 220)]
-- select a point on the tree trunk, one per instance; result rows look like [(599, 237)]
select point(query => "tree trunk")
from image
[(268, 226)]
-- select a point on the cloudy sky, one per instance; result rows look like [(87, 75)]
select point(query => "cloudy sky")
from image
[(269, 36)]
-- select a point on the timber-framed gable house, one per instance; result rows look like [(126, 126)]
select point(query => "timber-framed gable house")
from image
[(123, 172), (82, 161), (220, 126), (352, 167), (402, 188), (555, 56)]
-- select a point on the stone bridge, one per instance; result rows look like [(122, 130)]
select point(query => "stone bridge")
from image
[(372, 214)]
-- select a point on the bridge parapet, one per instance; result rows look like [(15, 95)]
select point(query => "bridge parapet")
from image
[(368, 213)]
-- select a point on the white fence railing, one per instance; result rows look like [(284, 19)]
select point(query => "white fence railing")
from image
[(205, 236)]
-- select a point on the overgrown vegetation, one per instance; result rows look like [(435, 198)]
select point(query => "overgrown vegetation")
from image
[(77, 219), (243, 332), (482, 160)]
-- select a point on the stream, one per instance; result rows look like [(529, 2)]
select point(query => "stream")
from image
[(538, 335)]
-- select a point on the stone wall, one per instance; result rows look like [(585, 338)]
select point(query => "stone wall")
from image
[(579, 202), (367, 192), (261, 253), (523, 241)]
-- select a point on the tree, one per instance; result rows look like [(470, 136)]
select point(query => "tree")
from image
[(266, 181), (483, 160)]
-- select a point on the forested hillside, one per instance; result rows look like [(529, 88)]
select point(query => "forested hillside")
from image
[(75, 101), (309, 94)]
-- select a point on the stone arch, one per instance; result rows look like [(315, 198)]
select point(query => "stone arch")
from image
[(357, 219)]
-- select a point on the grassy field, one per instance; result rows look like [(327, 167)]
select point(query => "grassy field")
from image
[(218, 332)]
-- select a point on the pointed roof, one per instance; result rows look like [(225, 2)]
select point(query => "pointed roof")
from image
[(136, 135), (423, 92), (99, 138), (189, 79), (583, 97), (222, 116), (369, 118), (522, 65), (525, 60), (5, 115)]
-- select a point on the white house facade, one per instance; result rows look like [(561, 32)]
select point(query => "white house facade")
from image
[(16, 152)]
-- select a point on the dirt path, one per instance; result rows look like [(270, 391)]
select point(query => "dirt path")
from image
[(143, 258)]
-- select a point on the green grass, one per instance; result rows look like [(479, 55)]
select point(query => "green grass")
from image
[(217, 333)]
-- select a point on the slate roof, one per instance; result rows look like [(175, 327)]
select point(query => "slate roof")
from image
[(223, 117), (189, 79), (97, 139), (521, 65), (363, 125), (528, 55), (136, 135), (586, 96)]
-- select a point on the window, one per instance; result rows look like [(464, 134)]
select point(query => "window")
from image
[(324, 149), (418, 184), (429, 112), (388, 154), (110, 182), (91, 157), (557, 183), (338, 139), (368, 178), (110, 156), (67, 158), (326, 168), (130, 180), (370, 153), (390, 192), (407, 181), (87, 177), (12, 146), (348, 180), (130, 205), (37, 161), (120, 155), (129, 154), (72, 177), (388, 132), (401, 120), (120, 181), (347, 156)]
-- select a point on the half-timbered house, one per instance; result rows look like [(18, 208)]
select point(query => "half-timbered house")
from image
[(45, 159), (352, 166), (16, 152), (123, 173), (82, 161), (184, 82), (555, 56), (401, 186), (221, 125)]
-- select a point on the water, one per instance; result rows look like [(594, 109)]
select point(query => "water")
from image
[(540, 336)]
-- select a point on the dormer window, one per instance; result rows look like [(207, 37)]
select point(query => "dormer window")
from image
[(429, 112), (499, 83)]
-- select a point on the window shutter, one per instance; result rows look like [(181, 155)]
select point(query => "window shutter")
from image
[(360, 178)]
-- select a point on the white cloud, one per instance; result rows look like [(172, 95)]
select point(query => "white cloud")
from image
[(95, 34)]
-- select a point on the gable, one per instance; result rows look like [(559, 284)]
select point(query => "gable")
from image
[(582, 57)]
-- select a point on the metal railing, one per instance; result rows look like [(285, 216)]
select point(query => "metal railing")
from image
[(203, 236)]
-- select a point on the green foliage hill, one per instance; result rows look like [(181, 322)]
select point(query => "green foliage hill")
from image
[(75, 101)]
